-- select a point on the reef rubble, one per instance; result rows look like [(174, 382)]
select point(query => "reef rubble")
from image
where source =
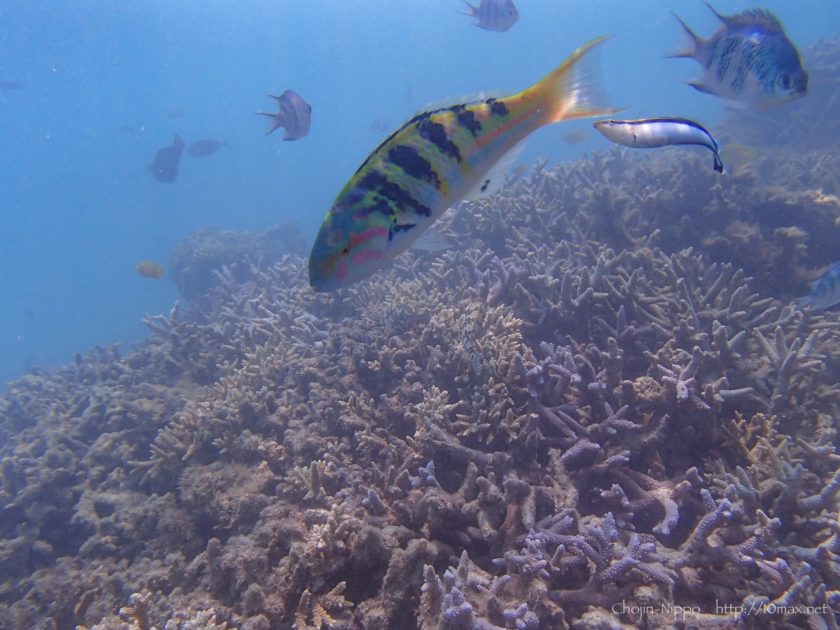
[(599, 411)]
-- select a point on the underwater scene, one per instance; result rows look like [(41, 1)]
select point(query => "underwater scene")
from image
[(420, 314)]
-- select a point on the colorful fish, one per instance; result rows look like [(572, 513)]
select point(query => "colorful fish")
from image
[(651, 133), (149, 269), (825, 290), (293, 114), (750, 61), (437, 158), (493, 15)]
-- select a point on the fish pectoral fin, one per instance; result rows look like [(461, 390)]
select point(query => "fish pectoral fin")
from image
[(433, 240), (492, 182), (700, 87)]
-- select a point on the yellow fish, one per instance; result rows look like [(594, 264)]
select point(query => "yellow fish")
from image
[(149, 269)]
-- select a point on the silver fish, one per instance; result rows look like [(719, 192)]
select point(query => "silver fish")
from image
[(650, 133), (493, 15), (750, 61), (165, 165), (294, 115), (825, 290)]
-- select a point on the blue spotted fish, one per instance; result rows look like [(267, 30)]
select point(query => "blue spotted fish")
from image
[(437, 158), (749, 61), (825, 290)]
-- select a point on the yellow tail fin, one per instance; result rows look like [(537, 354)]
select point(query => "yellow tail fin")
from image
[(571, 90)]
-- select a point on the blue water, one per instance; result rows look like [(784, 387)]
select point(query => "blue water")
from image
[(78, 208)]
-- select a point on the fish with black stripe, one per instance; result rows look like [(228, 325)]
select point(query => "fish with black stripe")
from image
[(436, 159), (749, 62)]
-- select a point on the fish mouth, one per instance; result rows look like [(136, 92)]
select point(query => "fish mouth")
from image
[(322, 274)]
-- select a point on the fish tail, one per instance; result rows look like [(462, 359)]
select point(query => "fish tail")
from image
[(571, 90), (274, 123), (695, 42)]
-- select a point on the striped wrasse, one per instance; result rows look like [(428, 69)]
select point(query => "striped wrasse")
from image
[(436, 159)]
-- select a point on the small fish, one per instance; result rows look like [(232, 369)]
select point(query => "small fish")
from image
[(650, 133), (149, 269), (203, 148), (493, 15), (825, 291), (6, 84), (750, 61), (436, 159), (294, 115), (165, 165), (575, 137)]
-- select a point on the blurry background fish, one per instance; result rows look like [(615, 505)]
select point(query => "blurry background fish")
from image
[(493, 15), (165, 165), (293, 114), (149, 269)]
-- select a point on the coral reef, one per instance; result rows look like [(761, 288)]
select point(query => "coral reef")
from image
[(198, 257), (599, 411)]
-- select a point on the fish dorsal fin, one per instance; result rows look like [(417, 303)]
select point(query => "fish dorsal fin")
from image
[(471, 10), (751, 17), (493, 180), (446, 103)]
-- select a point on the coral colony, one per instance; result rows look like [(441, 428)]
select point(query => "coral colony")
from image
[(601, 410)]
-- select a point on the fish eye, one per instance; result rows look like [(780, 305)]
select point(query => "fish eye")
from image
[(345, 250), (785, 80)]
